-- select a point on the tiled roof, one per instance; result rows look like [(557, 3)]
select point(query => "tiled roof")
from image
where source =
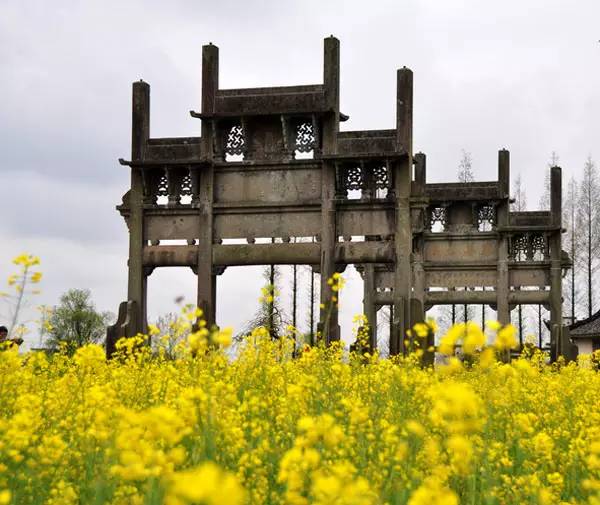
[(589, 327)]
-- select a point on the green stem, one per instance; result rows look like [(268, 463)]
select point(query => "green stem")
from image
[(15, 318)]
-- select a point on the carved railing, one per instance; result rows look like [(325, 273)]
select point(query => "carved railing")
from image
[(528, 246), (484, 216), (372, 178), (171, 185), (437, 215), (305, 135), (235, 140)]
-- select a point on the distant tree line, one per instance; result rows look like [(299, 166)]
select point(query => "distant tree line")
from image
[(581, 219)]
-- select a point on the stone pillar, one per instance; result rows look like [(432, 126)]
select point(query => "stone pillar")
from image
[(502, 278), (328, 320), (331, 83), (402, 189), (210, 86), (418, 277), (418, 190), (558, 347), (206, 279), (140, 133), (420, 180), (418, 271), (206, 296), (369, 308)]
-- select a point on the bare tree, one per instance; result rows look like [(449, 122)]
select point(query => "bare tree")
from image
[(270, 313), (570, 220), (588, 215), (518, 195), (384, 328), (465, 313), (544, 204), (520, 320), (312, 297), (171, 335), (545, 198), (465, 168), (445, 316), (465, 174), (294, 292)]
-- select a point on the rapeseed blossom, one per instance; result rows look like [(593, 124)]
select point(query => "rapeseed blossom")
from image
[(280, 425)]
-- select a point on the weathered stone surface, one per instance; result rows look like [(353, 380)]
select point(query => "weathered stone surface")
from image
[(271, 163)]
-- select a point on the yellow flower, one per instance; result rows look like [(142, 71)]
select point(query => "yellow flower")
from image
[(487, 357), (223, 337), (90, 356), (451, 338), (543, 446), (493, 325), (461, 453), (5, 497), (206, 484), (421, 329), (415, 428), (506, 338), (26, 260), (275, 421), (432, 492), (432, 325), (456, 408), (474, 338)]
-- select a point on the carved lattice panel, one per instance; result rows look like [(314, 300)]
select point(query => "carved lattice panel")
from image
[(185, 189), (305, 137), (538, 247), (161, 190), (486, 217), (235, 142), (381, 177), (354, 178), (438, 218), (186, 185), (528, 247), (519, 246)]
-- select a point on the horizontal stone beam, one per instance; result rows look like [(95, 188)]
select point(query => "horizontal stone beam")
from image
[(472, 297), (266, 254)]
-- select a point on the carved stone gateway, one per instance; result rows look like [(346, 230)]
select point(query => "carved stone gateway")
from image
[(272, 163)]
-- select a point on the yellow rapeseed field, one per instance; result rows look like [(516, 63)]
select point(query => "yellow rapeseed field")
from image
[(272, 423), (323, 427)]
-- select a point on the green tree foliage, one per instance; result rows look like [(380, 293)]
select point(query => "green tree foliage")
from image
[(76, 322)]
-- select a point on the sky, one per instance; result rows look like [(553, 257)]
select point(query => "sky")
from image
[(521, 75)]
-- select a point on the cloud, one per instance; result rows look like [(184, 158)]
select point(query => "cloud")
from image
[(487, 76)]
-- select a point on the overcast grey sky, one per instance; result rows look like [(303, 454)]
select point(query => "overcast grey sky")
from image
[(516, 74)]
